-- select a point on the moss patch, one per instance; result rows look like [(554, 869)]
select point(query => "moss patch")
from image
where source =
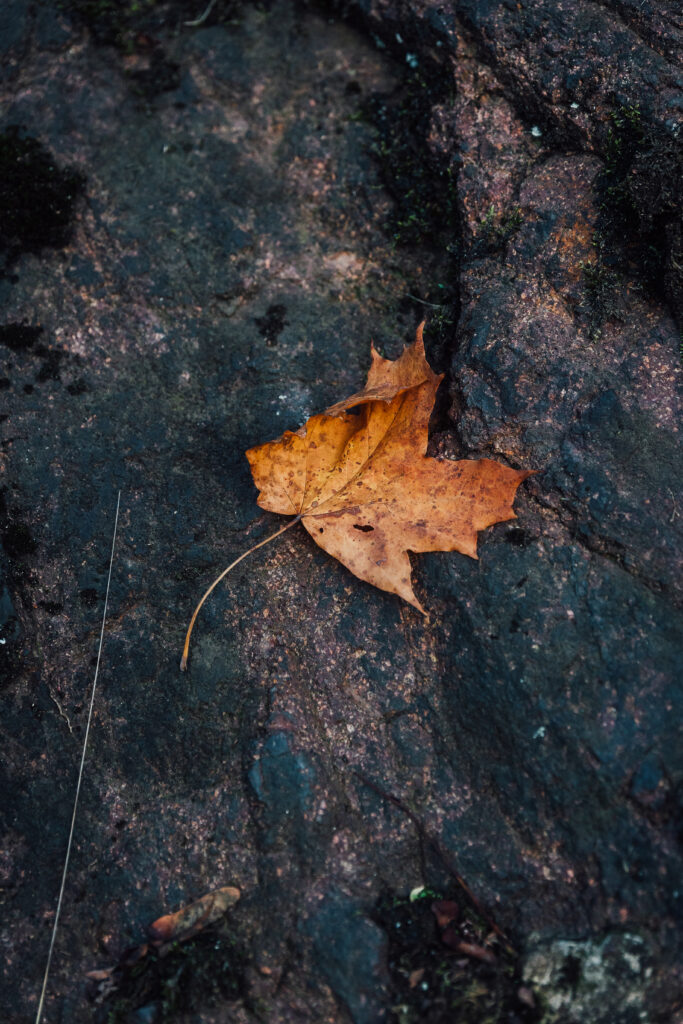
[(604, 291), (421, 184), (496, 230)]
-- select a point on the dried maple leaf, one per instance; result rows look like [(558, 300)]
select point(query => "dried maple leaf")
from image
[(364, 487), (359, 479)]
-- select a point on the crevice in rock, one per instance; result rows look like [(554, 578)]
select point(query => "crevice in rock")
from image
[(605, 547)]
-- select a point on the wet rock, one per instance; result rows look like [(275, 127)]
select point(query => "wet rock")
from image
[(14, 28), (586, 55), (350, 952), (232, 255), (282, 781), (586, 76), (10, 630), (36, 197)]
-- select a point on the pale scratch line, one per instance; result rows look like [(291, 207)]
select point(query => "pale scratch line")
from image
[(62, 712), (80, 775), (286, 494)]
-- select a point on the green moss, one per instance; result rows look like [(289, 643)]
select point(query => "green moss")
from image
[(421, 184), (624, 137), (603, 288), (496, 230), (203, 973), (434, 983)]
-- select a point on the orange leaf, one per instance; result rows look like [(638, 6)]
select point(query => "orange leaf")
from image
[(190, 919), (364, 488)]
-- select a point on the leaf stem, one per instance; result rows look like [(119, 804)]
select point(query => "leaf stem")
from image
[(261, 543)]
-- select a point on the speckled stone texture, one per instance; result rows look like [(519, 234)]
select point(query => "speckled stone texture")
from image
[(231, 257)]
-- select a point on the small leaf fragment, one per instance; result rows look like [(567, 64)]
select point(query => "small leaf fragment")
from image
[(445, 912), (189, 920)]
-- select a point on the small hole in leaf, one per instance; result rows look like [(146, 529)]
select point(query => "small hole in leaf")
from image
[(363, 529), (321, 530)]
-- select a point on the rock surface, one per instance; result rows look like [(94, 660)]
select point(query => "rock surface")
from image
[(243, 223)]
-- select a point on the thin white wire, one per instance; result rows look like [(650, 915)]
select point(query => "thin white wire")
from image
[(200, 21), (80, 775)]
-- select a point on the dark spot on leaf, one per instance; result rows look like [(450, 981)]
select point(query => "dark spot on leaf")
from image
[(363, 529)]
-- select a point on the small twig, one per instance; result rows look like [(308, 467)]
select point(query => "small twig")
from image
[(186, 648), (202, 18), (62, 712), (423, 302)]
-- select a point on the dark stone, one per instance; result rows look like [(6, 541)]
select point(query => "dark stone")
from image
[(627, 62), (10, 629), (641, 220), (273, 323), (19, 336), (161, 75), (51, 365), (37, 198), (14, 29), (78, 387), (82, 272), (349, 950), (284, 192), (283, 780), (17, 540)]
